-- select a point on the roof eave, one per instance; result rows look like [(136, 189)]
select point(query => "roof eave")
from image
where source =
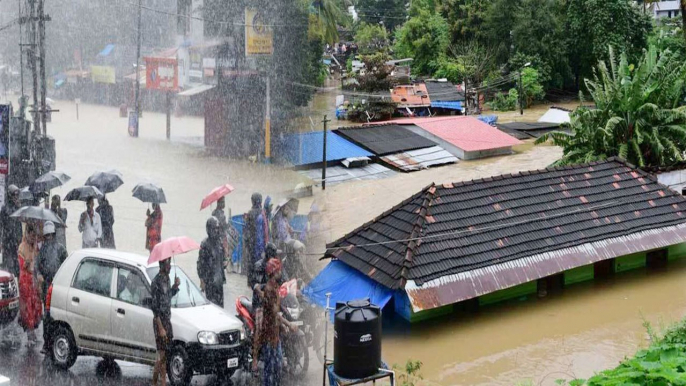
[(468, 285)]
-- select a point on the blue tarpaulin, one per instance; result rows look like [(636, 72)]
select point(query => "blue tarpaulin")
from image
[(107, 50), (345, 283), (490, 119), (451, 105), (307, 148)]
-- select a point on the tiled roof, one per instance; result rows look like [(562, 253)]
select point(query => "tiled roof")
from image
[(385, 139), (411, 95), (306, 148), (467, 133), (452, 229)]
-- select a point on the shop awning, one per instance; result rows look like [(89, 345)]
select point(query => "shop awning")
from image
[(107, 50), (196, 90)]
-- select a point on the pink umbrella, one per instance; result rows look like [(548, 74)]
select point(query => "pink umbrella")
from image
[(215, 195), (171, 247)]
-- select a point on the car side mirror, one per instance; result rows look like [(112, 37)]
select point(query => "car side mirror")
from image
[(147, 302)]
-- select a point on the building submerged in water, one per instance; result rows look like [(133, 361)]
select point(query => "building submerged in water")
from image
[(469, 244)]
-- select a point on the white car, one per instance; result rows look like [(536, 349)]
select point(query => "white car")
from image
[(99, 304)]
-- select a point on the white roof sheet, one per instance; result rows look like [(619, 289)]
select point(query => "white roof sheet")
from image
[(419, 159), (338, 174)]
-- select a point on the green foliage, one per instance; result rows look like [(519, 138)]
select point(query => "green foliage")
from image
[(465, 18), (329, 15), (373, 110), (389, 13), (371, 38), (594, 25), (637, 115), (410, 373), (532, 89), (505, 102), (451, 69), (424, 38), (376, 77)]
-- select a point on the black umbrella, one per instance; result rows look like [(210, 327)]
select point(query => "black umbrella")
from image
[(83, 193), (149, 192), (107, 181), (49, 181), (37, 213)]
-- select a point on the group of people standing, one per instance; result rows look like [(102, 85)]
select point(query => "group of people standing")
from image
[(32, 252)]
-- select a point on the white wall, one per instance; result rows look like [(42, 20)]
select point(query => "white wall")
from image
[(675, 180)]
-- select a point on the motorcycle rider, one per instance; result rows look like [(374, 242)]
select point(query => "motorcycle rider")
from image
[(211, 263)]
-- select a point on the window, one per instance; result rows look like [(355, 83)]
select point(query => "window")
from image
[(189, 294), (131, 286), (95, 277)]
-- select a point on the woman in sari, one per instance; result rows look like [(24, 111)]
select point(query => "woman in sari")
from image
[(30, 309)]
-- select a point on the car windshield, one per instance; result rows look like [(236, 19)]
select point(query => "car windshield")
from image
[(189, 294)]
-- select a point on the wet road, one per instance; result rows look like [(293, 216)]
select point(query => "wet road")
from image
[(99, 141)]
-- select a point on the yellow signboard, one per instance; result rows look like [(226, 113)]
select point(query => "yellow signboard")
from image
[(259, 38), (103, 74)]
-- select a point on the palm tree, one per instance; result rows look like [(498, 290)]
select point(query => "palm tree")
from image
[(329, 14), (637, 114)]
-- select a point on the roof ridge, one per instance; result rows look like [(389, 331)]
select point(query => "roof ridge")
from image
[(385, 213), (429, 194)]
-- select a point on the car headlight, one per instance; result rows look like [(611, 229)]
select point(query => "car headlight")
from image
[(208, 337), (242, 332)]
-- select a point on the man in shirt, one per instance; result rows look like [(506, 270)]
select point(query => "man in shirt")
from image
[(211, 263), (51, 256), (11, 231), (161, 323), (90, 226)]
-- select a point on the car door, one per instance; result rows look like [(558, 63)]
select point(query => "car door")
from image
[(89, 302), (131, 316)]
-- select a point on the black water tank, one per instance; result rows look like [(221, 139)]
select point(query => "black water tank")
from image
[(357, 339)]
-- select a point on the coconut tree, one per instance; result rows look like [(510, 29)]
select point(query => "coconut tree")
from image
[(329, 15), (637, 114)]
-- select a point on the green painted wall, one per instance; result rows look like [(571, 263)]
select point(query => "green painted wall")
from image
[(579, 274), (432, 313), (676, 251), (629, 262), (508, 293)]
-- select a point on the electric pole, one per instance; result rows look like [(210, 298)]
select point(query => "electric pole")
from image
[(41, 62), (32, 61), (325, 121), (138, 66), (21, 50)]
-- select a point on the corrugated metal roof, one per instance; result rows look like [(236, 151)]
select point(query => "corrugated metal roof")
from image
[(444, 231), (338, 174), (385, 139), (443, 91), (467, 133), (306, 148), (555, 115), (527, 130), (419, 159)]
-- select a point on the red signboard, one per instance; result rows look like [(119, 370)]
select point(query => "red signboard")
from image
[(161, 74), (4, 167)]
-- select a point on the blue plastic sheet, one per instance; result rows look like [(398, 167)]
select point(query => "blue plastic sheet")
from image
[(107, 50), (490, 119), (345, 283), (450, 105)]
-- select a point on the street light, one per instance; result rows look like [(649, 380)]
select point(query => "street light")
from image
[(521, 89)]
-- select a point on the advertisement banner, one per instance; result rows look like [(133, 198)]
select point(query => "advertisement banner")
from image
[(161, 74), (103, 74), (259, 38)]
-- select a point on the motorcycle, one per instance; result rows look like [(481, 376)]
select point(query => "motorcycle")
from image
[(294, 344)]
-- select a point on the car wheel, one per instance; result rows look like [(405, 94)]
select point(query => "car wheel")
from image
[(63, 350), (178, 367)]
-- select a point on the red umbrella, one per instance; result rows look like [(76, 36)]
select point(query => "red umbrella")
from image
[(172, 247), (215, 195)]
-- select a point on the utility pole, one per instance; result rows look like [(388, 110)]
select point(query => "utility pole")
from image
[(325, 121), (41, 58), (521, 97), (138, 66), (21, 50), (32, 61), (267, 125), (168, 114)]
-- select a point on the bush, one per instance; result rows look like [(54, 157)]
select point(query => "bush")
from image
[(505, 102)]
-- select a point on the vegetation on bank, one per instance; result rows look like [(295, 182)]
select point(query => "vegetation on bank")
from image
[(661, 363)]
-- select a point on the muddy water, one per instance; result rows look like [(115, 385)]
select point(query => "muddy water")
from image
[(586, 328)]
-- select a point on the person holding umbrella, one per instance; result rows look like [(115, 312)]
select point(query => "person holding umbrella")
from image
[(90, 226), (51, 256), (106, 213), (162, 294), (154, 227), (11, 231)]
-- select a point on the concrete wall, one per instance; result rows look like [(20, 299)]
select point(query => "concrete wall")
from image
[(470, 155)]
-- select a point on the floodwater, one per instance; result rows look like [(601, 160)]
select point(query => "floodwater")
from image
[(587, 328)]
